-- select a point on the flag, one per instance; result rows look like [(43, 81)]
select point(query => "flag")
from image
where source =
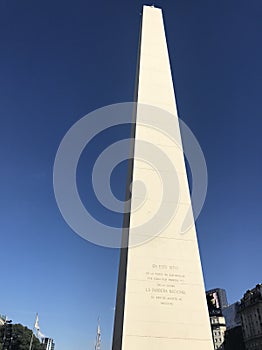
[(37, 323), (40, 335), (98, 337)]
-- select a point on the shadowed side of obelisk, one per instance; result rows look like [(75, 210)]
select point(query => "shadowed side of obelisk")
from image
[(121, 285)]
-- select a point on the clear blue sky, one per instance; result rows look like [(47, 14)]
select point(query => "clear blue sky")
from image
[(60, 60)]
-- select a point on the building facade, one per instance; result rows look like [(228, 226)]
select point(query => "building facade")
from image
[(250, 310), (50, 345), (216, 302), (234, 335), (232, 316), (220, 297), (218, 327), (234, 339)]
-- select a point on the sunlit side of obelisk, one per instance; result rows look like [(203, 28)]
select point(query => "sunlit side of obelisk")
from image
[(161, 301)]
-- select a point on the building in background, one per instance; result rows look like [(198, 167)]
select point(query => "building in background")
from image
[(50, 345), (234, 339), (232, 316), (250, 310), (220, 297), (216, 302), (218, 327), (234, 335)]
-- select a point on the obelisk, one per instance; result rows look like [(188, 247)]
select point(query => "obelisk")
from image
[(161, 302)]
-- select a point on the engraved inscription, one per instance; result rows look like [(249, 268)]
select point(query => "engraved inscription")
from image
[(165, 284)]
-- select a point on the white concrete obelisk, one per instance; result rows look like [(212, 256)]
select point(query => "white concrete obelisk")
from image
[(161, 302)]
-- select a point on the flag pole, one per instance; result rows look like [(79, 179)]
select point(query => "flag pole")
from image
[(36, 326), (31, 341)]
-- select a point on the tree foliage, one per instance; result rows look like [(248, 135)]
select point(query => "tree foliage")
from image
[(21, 337)]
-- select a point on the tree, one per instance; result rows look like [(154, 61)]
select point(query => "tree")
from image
[(21, 337)]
